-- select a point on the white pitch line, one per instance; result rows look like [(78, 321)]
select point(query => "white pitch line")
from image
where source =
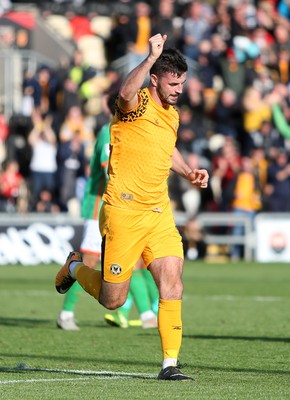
[(54, 380), (100, 374)]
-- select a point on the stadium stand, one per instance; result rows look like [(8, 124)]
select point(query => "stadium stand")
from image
[(236, 101)]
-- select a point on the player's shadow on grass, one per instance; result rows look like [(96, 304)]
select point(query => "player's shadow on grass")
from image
[(23, 322), (246, 338), (32, 322), (51, 324), (243, 370)]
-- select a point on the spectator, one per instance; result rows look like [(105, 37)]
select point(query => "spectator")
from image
[(283, 66), (256, 110), (186, 134), (71, 165), (48, 87), (5, 6), (267, 138), (194, 98), (246, 199), (218, 47), (227, 114), (222, 26), (140, 30), (31, 94), (233, 72), (225, 166), (10, 186), (260, 164), (264, 40), (17, 146), (281, 114), (277, 189), (79, 71), (74, 126), (4, 132), (79, 76), (207, 71), (164, 21), (194, 237), (267, 15), (68, 97), (282, 37), (43, 164), (46, 204), (68, 91), (196, 27), (117, 43), (284, 9)]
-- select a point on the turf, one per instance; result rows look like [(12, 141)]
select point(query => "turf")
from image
[(236, 339)]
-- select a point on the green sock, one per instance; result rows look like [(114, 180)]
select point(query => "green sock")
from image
[(126, 307), (139, 291), (152, 290), (72, 297)]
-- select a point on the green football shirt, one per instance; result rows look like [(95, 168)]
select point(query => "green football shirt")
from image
[(95, 186)]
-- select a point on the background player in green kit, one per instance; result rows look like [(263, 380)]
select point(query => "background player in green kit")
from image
[(143, 289)]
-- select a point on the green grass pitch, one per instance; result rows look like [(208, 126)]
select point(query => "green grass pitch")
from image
[(236, 339)]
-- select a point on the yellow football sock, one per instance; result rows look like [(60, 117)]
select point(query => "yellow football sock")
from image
[(170, 327), (90, 279)]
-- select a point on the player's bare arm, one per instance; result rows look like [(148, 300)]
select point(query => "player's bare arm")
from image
[(198, 177), (128, 98)]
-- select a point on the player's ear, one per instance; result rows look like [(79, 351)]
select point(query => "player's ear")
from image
[(154, 79)]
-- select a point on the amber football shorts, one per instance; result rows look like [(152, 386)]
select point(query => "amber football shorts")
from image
[(128, 234)]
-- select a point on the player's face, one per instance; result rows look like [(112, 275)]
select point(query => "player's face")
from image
[(169, 87)]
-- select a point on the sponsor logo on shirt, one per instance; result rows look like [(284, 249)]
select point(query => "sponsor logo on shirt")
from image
[(126, 196)]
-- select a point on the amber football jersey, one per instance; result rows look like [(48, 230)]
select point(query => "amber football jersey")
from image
[(141, 146)]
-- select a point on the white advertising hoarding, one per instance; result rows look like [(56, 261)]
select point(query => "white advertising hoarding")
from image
[(38, 238), (272, 237)]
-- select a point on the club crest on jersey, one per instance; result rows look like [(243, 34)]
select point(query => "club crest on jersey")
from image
[(126, 196), (116, 269)]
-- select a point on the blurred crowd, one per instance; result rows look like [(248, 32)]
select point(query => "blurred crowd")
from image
[(234, 112)]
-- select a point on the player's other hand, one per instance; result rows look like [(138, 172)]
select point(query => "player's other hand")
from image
[(199, 177)]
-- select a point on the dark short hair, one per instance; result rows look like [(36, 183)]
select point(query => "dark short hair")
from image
[(171, 61)]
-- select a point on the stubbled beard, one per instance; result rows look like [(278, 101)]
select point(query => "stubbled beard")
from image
[(165, 100)]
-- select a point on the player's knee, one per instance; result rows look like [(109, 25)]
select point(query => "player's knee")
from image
[(173, 291), (177, 290), (112, 295), (111, 304)]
